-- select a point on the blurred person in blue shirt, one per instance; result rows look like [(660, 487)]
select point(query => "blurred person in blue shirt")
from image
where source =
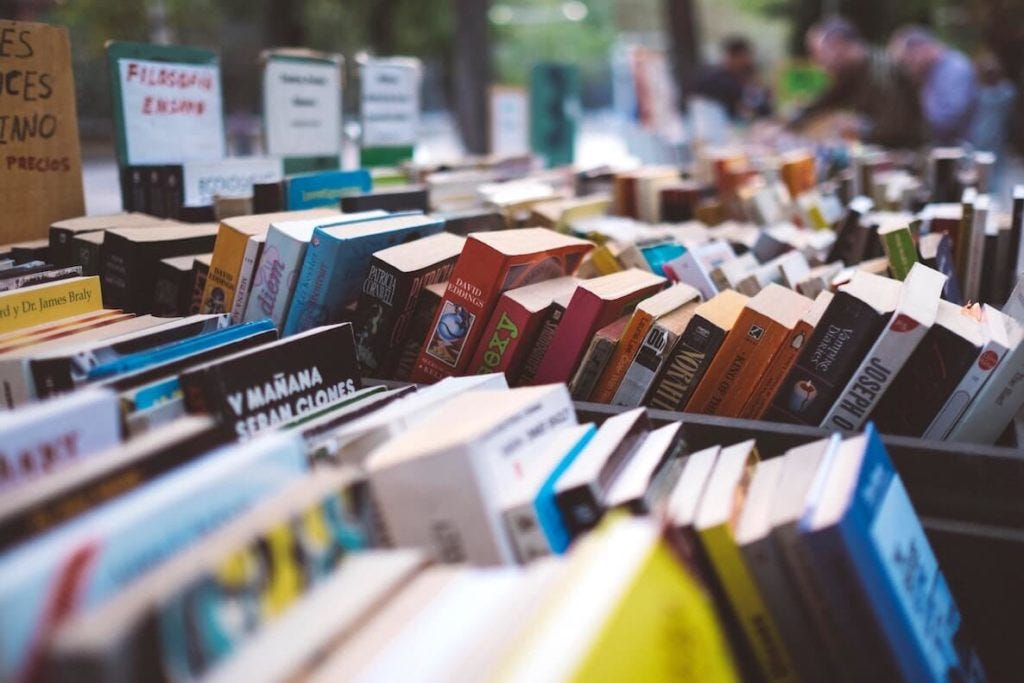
[(947, 86), (997, 98)]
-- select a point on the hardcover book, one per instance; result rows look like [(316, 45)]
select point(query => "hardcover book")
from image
[(696, 349), (850, 325), (389, 294), (490, 264), (62, 233), (539, 346), (262, 387), (253, 251), (338, 260)]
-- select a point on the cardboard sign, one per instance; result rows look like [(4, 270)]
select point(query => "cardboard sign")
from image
[(167, 104), (40, 157), (510, 120), (390, 102), (302, 105)]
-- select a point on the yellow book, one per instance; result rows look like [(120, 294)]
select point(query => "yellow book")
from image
[(715, 524), (38, 304), (644, 316), (233, 235), (629, 611), (605, 261)]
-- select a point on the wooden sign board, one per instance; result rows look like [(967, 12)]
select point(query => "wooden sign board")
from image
[(40, 156)]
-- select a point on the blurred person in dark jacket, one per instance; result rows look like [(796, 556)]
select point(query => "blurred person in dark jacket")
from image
[(997, 100), (947, 87), (865, 82), (734, 82)]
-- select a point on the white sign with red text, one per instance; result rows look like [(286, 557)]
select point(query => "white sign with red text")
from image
[(172, 112)]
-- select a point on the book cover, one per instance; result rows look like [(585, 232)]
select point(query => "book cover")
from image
[(545, 507), (652, 356), (899, 248), (122, 539), (490, 264), (997, 402), (767, 321), (387, 300), (408, 350), (172, 292), (695, 350), (253, 251), (927, 380), (44, 438), (539, 346), (337, 262), (602, 345), (595, 303), (850, 325), (325, 188), (87, 247), (643, 318), (259, 388), (200, 269), (38, 304)]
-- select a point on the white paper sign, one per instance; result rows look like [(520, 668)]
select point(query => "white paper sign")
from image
[(302, 108), (227, 178), (390, 102), (172, 112), (510, 121)]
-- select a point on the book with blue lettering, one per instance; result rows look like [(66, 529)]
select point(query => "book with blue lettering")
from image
[(79, 565), (277, 382), (325, 188), (858, 515), (338, 261)]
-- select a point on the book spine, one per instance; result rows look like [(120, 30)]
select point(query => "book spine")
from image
[(504, 336), (426, 311), (167, 291), (633, 337), (116, 271), (776, 370), (980, 371), (225, 265), (975, 248), (594, 361), (900, 251), (87, 255), (528, 538), (20, 309), (400, 331), (276, 278), (253, 249), (16, 380), (50, 376), (199, 273), (307, 302), (384, 289), (173, 190), (581, 320), (155, 204), (687, 365), (539, 351), (653, 354), (999, 400), (580, 507), (53, 275)]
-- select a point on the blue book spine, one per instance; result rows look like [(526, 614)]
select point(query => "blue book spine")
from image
[(548, 516), (325, 189), (308, 301), (900, 575), (660, 254), (177, 350)]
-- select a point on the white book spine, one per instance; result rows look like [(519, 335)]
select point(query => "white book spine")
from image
[(645, 367), (16, 382), (996, 404), (274, 280), (992, 354), (245, 277), (875, 374), (976, 249), (686, 269), (525, 532)]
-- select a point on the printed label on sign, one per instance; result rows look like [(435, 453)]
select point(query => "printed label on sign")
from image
[(390, 103), (302, 108)]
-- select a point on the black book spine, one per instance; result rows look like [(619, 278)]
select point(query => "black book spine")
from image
[(155, 202), (847, 239), (989, 270), (847, 330), (268, 197), (541, 346), (174, 190), (925, 382), (125, 176), (87, 255), (686, 366), (1013, 268), (419, 326), (61, 251), (198, 284), (51, 376), (377, 311), (118, 262), (580, 508), (166, 289)]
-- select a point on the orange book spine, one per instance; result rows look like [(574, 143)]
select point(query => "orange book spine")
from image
[(761, 398), (632, 338)]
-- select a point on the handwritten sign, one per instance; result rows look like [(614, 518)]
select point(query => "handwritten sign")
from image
[(168, 111), (510, 120), (40, 157), (390, 102), (302, 107)]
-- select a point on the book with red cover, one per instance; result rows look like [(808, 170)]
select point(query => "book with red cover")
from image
[(491, 263), (514, 325), (595, 304)]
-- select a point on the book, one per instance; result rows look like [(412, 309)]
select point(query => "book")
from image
[(52, 435), (850, 325), (256, 389), (122, 539), (695, 350), (937, 253), (234, 236), (594, 304), (470, 449), (106, 470), (279, 265), (715, 524), (62, 233), (44, 275), (631, 490), (200, 269), (652, 356), (253, 251), (515, 324), (490, 264), (961, 235), (1002, 334), (849, 244), (472, 220), (598, 353), (387, 300), (927, 380), (408, 350), (975, 249), (581, 490), (38, 304), (38, 334), (766, 387), (914, 315), (539, 346), (861, 512), (324, 188), (172, 293), (641, 321), (768, 320), (337, 262), (392, 200), (130, 255), (899, 248)]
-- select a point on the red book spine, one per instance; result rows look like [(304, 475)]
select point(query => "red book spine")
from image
[(506, 339), (582, 319)]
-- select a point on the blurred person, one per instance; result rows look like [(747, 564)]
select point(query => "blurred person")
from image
[(990, 125), (864, 81), (945, 79), (734, 83)]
